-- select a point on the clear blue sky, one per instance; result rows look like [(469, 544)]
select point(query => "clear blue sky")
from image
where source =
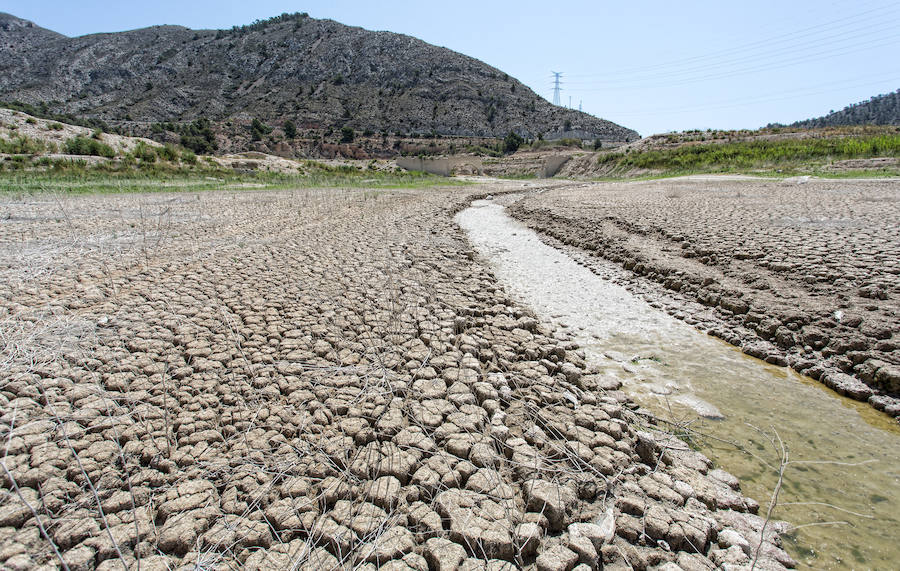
[(652, 65)]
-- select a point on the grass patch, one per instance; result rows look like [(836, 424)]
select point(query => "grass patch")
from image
[(781, 157), (78, 177)]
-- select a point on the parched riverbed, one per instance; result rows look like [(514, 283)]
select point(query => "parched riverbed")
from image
[(845, 456), (317, 379)]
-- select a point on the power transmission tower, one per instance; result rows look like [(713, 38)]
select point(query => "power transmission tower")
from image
[(556, 77)]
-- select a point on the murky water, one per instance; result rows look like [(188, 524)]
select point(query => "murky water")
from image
[(685, 375)]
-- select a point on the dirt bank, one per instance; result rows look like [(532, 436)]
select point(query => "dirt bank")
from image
[(800, 272), (316, 379)]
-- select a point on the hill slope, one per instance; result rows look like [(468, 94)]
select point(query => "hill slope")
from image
[(879, 110), (317, 73)]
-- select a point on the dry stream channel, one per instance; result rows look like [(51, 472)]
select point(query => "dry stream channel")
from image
[(844, 471)]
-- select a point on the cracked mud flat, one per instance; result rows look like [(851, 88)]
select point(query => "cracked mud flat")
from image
[(700, 382), (799, 272), (317, 379)]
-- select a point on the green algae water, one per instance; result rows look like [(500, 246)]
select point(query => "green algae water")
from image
[(841, 488)]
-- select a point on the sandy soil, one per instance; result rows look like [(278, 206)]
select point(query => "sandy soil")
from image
[(316, 379), (800, 272)]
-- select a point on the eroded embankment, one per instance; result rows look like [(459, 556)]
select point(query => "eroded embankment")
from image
[(316, 379), (798, 273)]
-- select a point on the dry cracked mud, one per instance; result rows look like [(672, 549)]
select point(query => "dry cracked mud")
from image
[(800, 272), (317, 379)]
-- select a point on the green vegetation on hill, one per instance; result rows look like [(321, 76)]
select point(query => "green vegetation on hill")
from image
[(755, 155), (879, 110)]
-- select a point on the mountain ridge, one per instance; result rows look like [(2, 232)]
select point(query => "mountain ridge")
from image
[(319, 74)]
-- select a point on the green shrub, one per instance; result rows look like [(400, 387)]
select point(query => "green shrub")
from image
[(347, 135), (21, 145), (188, 157), (55, 126), (89, 147), (168, 152), (144, 152)]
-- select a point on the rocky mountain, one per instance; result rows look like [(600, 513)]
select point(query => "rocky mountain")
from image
[(878, 110), (319, 74)]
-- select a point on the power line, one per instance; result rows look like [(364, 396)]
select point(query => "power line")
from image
[(778, 55), (768, 98), (743, 48), (556, 77), (655, 82)]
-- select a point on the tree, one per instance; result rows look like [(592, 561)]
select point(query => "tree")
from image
[(198, 137), (290, 130), (259, 129), (512, 142), (347, 134)]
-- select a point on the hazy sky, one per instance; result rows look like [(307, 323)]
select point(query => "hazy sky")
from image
[(652, 65)]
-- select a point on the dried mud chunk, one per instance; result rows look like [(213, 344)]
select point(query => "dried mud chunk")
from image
[(443, 554), (186, 497), (430, 388), (557, 558), (383, 459), (363, 518), (72, 532), (14, 514), (409, 562), (234, 532), (485, 526), (335, 537), (425, 520), (527, 537), (414, 438), (292, 514), (179, 534), (392, 544), (551, 499), (383, 492)]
